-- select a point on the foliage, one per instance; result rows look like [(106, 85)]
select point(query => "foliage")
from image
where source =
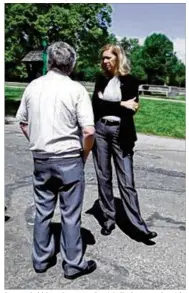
[(81, 25), (179, 71), (85, 27), (154, 62), (132, 50), (156, 50)]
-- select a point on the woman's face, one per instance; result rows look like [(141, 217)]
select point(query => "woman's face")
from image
[(109, 61)]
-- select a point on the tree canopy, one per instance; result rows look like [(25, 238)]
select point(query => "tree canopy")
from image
[(81, 25), (86, 28), (154, 62)]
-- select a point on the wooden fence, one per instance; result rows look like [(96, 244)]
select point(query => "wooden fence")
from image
[(144, 89)]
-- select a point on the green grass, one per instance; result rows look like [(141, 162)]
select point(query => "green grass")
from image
[(12, 93), (162, 118), (179, 97), (182, 98)]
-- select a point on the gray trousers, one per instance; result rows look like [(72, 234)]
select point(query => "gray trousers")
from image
[(107, 146), (63, 178)]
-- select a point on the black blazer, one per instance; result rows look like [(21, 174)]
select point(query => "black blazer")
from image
[(129, 90)]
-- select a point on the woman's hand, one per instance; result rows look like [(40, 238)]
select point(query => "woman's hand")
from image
[(100, 95), (130, 104)]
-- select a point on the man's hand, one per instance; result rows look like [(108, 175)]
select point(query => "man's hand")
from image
[(24, 128), (130, 104)]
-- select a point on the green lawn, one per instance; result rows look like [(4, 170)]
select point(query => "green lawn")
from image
[(16, 93), (179, 97), (161, 118), (164, 118), (12, 93)]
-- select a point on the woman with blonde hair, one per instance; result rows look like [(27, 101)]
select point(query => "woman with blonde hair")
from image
[(115, 101)]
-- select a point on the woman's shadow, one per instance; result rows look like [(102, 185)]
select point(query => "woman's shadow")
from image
[(121, 220), (86, 235)]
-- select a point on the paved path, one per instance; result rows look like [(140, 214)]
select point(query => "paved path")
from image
[(123, 263)]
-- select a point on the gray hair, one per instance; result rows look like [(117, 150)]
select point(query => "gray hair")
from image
[(61, 57)]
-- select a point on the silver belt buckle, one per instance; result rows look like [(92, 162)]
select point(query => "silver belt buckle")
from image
[(104, 121)]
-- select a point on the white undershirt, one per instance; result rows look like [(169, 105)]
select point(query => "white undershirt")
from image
[(112, 93)]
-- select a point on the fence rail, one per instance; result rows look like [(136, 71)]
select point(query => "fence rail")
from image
[(169, 91), (144, 89)]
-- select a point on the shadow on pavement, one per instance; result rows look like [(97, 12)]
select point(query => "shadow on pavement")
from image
[(87, 237), (121, 220), (7, 218)]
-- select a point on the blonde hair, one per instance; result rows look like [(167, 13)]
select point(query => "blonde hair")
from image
[(123, 66)]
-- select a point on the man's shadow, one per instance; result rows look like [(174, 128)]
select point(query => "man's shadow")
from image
[(87, 237), (122, 220), (7, 218)]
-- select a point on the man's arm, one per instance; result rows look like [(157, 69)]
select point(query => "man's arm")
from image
[(22, 114), (86, 121), (88, 140)]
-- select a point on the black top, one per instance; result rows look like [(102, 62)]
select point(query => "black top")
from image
[(129, 89)]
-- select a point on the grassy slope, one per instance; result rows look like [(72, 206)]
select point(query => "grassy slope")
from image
[(161, 118)]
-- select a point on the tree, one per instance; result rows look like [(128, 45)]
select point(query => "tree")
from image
[(157, 50), (133, 51), (180, 74), (88, 64), (129, 45), (83, 26)]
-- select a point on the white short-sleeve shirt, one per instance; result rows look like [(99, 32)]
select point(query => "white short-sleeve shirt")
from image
[(55, 108)]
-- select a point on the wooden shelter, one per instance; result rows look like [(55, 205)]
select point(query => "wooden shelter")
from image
[(34, 63)]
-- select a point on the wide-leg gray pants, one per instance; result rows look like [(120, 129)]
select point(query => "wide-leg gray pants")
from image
[(107, 146), (63, 177)]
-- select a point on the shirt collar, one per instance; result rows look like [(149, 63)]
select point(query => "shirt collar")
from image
[(57, 74)]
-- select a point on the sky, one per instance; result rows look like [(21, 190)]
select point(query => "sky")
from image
[(134, 20)]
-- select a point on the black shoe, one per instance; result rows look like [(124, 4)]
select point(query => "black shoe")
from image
[(106, 232), (51, 263), (89, 269), (151, 234), (148, 236)]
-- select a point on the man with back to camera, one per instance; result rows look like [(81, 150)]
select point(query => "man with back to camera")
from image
[(55, 115)]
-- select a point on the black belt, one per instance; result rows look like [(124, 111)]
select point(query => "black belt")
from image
[(110, 123)]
